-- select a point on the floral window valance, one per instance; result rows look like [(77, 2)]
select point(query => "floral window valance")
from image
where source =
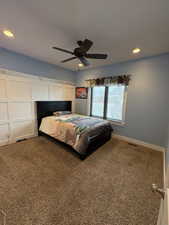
[(105, 81)]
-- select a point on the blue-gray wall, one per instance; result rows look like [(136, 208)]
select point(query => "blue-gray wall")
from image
[(147, 115), (147, 112), (24, 64)]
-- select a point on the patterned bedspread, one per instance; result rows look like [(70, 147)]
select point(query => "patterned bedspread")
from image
[(74, 129)]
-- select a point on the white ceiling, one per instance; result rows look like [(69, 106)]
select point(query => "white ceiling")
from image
[(115, 26)]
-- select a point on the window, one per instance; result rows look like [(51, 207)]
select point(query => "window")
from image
[(98, 101), (108, 102)]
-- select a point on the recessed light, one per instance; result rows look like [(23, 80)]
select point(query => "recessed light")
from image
[(80, 65), (136, 50), (8, 33)]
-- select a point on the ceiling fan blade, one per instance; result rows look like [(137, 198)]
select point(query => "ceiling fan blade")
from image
[(87, 44), (96, 56), (84, 61), (63, 50), (69, 59)]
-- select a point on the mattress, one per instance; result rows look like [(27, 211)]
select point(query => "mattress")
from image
[(74, 129)]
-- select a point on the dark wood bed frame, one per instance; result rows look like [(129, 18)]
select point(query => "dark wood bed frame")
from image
[(46, 108)]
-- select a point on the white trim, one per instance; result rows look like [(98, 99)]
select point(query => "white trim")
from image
[(31, 77), (4, 142), (124, 105), (138, 142), (167, 177), (164, 169), (88, 101), (21, 138)]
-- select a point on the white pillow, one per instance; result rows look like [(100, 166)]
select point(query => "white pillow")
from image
[(61, 113)]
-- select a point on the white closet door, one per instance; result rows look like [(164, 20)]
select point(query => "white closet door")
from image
[(3, 94), (21, 129), (3, 112), (56, 92), (70, 93), (20, 111), (4, 126), (18, 93), (19, 90), (39, 91), (4, 133)]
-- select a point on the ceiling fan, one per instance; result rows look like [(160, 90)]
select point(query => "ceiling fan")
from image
[(81, 52)]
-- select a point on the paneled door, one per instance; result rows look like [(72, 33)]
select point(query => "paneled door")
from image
[(18, 93), (163, 218), (4, 125)]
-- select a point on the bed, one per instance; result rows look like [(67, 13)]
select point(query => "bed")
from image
[(83, 134)]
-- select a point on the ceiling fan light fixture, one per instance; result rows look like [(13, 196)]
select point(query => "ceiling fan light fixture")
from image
[(8, 33), (80, 65), (136, 50)]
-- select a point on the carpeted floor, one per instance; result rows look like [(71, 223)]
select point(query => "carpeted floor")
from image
[(42, 184)]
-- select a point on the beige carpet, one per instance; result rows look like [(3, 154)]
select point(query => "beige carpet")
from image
[(42, 184)]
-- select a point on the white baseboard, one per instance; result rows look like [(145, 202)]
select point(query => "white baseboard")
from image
[(138, 142), (23, 137), (3, 143)]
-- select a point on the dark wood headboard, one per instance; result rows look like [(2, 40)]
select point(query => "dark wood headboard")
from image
[(46, 108)]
